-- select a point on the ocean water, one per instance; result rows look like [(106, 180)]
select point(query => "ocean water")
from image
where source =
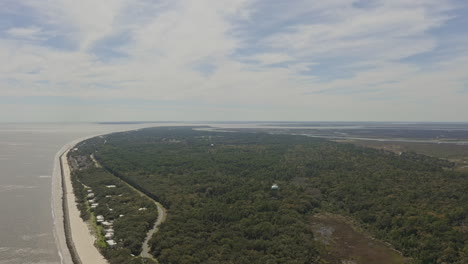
[(26, 163)]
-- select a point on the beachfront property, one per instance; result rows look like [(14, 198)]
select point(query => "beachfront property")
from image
[(99, 218), (111, 242), (106, 223)]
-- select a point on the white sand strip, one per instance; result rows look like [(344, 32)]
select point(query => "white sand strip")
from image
[(81, 235), (82, 238), (57, 210)]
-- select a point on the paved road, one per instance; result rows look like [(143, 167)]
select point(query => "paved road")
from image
[(161, 217)]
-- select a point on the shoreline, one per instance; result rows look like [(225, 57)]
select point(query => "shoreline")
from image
[(79, 237), (75, 242), (58, 215), (66, 217)]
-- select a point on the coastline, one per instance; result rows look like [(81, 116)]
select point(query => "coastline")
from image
[(64, 209), (75, 242), (66, 217), (58, 215), (80, 239)]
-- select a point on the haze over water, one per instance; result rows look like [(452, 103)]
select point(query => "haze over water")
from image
[(26, 163)]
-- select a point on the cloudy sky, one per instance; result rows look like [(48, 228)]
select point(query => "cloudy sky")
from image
[(110, 60)]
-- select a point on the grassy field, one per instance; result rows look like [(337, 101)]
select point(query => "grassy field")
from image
[(346, 244), (455, 153)]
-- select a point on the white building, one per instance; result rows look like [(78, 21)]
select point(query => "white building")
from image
[(99, 218), (105, 223), (111, 242), (275, 187)]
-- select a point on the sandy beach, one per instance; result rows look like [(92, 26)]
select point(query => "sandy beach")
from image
[(67, 218), (81, 235), (57, 209)]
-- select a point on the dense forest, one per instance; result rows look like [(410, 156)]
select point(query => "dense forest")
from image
[(222, 209)]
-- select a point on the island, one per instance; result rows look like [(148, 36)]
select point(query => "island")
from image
[(239, 197)]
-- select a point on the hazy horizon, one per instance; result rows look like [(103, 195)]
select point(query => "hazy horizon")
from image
[(107, 122)]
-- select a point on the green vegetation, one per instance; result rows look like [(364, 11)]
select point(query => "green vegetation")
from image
[(348, 244), (119, 204), (458, 154), (222, 209)]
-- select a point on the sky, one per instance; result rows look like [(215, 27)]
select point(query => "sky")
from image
[(231, 60)]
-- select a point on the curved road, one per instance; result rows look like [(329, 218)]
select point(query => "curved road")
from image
[(161, 216)]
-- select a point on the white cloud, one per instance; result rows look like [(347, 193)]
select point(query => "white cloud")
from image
[(273, 58), (25, 32), (195, 51)]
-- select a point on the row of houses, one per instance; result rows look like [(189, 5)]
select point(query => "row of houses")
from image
[(108, 225), (108, 230)]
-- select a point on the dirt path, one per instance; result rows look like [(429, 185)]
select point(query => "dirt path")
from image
[(96, 163)]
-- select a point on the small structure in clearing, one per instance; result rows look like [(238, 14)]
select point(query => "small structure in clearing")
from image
[(105, 223), (99, 218), (274, 187), (111, 242)]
